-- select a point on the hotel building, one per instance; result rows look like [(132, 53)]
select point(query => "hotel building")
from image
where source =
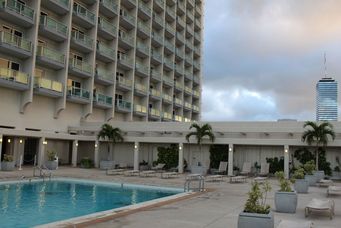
[(327, 100)]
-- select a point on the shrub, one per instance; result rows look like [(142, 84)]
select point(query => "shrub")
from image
[(337, 169), (298, 174), (8, 158), (218, 153), (168, 156), (86, 162), (51, 155), (309, 167), (143, 163), (285, 185), (256, 203), (275, 164)]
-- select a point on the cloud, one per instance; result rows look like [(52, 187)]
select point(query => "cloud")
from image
[(271, 48)]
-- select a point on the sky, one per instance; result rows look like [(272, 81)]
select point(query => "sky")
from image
[(263, 58)]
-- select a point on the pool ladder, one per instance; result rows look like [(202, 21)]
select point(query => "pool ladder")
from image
[(201, 184), (43, 172)]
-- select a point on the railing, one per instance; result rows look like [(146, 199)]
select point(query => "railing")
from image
[(180, 37), (188, 105), (48, 84), (169, 45), (196, 79), (156, 55), (141, 87), (170, 11), (170, 29), (167, 115), (158, 19), (127, 39), (155, 93), (190, 30), (189, 44), (157, 37), (190, 15), (155, 74), (123, 104), (187, 120), (179, 85), (196, 64), (167, 79), (197, 50), (83, 12), (191, 2), (189, 59), (78, 92), (14, 40), (179, 69), (181, 5), (126, 60), (106, 50), (143, 6), (102, 73), (197, 36), (188, 89), (13, 75), (178, 118), (53, 24), (64, 2), (82, 38), (198, 9), (80, 65), (18, 7), (167, 97), (124, 81), (128, 17), (195, 108), (110, 4), (50, 54), (169, 63), (197, 23), (196, 93), (140, 108), (154, 112), (161, 3), (107, 26), (178, 101), (142, 68), (143, 47), (103, 99), (143, 27)]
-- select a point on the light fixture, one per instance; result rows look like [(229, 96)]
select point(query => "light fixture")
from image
[(0, 140), (44, 142), (286, 150), (180, 148), (135, 146), (96, 145), (9, 140), (230, 149), (20, 141), (76, 144)]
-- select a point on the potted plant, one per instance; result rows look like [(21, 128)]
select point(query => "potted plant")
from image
[(309, 167), (285, 198), (257, 213), (7, 163), (144, 165), (86, 163), (51, 162), (301, 185)]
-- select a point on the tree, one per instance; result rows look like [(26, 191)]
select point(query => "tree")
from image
[(113, 135), (318, 135), (200, 133)]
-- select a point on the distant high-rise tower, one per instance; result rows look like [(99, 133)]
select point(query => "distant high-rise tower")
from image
[(326, 100)]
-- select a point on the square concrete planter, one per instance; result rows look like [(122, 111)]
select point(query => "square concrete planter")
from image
[(286, 202), (7, 166), (319, 175), (311, 179), (301, 186), (254, 220)]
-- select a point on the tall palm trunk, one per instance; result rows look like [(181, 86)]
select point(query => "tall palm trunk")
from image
[(200, 150)]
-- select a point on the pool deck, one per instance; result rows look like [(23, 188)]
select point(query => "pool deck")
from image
[(218, 207)]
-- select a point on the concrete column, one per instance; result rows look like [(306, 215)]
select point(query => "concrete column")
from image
[(286, 161), (1, 138), (74, 153), (230, 166), (41, 151), (181, 158), (136, 155), (96, 155), (21, 147)]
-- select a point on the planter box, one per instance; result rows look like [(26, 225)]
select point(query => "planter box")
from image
[(301, 186), (106, 164), (311, 179), (254, 220), (286, 202), (319, 175), (51, 165), (7, 166)]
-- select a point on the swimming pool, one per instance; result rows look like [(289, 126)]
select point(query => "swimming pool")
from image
[(28, 204)]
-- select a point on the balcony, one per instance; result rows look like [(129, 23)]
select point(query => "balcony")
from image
[(141, 69), (157, 21), (81, 42), (198, 10), (129, 4), (127, 20), (168, 64), (102, 101), (196, 65), (14, 79), (197, 37), (123, 84), (180, 38), (61, 7), (50, 58), (167, 98), (169, 47), (125, 62), (106, 29), (197, 24), (126, 41), (180, 54), (154, 113), (177, 102), (157, 39), (196, 93), (144, 10), (169, 30), (189, 31), (167, 116), (155, 75), (177, 118), (167, 81), (122, 106), (180, 23), (78, 95), (190, 17), (188, 60), (156, 57), (15, 45), (17, 13), (104, 77), (196, 80), (188, 76), (188, 106), (160, 4), (179, 86), (82, 16), (179, 70), (142, 50), (190, 3), (109, 8), (46, 87), (197, 52), (189, 45), (105, 53), (143, 30), (140, 110), (187, 120), (170, 13), (195, 108), (140, 90), (181, 7), (154, 94), (52, 29), (80, 68), (188, 90)]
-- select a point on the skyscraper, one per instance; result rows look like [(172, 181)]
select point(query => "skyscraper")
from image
[(326, 100)]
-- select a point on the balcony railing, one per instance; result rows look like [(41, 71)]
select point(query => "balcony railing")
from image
[(18, 7), (195, 108), (179, 52), (171, 11), (158, 19), (13, 75), (178, 118), (188, 89), (110, 4), (179, 69), (53, 24), (188, 105), (123, 104), (64, 2), (167, 79), (154, 112), (14, 40), (141, 87), (103, 99), (107, 26), (125, 82), (123, 59), (197, 23), (83, 12), (155, 93), (161, 3), (50, 54), (187, 119), (78, 92), (178, 101), (156, 55), (155, 74), (143, 27), (144, 48), (169, 45), (82, 38), (140, 108), (142, 68), (180, 37), (102, 73), (129, 18), (145, 8), (196, 93), (167, 97), (80, 65), (167, 115), (106, 50), (178, 85), (127, 39), (181, 21), (48, 84), (170, 29), (196, 64), (157, 37)]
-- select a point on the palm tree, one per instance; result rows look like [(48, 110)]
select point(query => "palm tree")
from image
[(113, 135), (318, 135), (201, 132)]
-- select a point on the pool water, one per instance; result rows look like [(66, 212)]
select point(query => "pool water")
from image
[(36, 203)]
